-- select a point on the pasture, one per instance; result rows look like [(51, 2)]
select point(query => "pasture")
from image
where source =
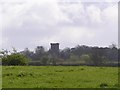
[(59, 77)]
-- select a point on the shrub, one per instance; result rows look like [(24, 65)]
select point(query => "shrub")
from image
[(103, 85), (15, 59)]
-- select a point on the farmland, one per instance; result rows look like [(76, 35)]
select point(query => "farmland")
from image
[(59, 77)]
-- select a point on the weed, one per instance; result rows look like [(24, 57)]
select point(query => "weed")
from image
[(58, 70), (24, 82), (101, 67), (70, 70), (61, 81), (82, 69), (103, 85), (7, 74), (87, 81), (49, 82), (11, 82), (30, 74), (116, 85), (22, 74)]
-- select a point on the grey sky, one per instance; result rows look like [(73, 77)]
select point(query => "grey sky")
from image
[(30, 23)]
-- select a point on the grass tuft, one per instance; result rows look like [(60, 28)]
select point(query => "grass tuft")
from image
[(103, 85)]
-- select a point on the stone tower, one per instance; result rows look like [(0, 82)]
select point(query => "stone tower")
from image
[(55, 48)]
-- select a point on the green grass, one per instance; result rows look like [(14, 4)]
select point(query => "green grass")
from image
[(59, 77)]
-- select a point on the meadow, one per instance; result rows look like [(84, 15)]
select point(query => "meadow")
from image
[(59, 77)]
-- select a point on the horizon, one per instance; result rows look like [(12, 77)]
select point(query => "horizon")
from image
[(48, 48)]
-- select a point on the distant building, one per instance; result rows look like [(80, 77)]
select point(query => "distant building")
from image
[(55, 48)]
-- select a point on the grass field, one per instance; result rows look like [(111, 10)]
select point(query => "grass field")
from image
[(59, 77)]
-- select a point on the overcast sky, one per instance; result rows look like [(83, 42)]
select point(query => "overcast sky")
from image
[(31, 23)]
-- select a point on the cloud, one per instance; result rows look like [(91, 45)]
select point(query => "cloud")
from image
[(94, 14), (110, 14), (0, 27), (28, 23)]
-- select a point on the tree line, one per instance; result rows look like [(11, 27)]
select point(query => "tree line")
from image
[(79, 55)]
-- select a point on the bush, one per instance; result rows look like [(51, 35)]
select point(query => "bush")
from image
[(15, 59), (86, 58)]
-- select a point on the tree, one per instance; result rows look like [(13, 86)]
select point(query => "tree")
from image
[(39, 52), (85, 58), (44, 60), (97, 56), (3, 53), (65, 53), (14, 50), (27, 53), (74, 58), (113, 45), (15, 59)]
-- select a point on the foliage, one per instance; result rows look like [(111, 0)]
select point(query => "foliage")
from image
[(86, 58), (73, 56), (15, 59), (44, 60)]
